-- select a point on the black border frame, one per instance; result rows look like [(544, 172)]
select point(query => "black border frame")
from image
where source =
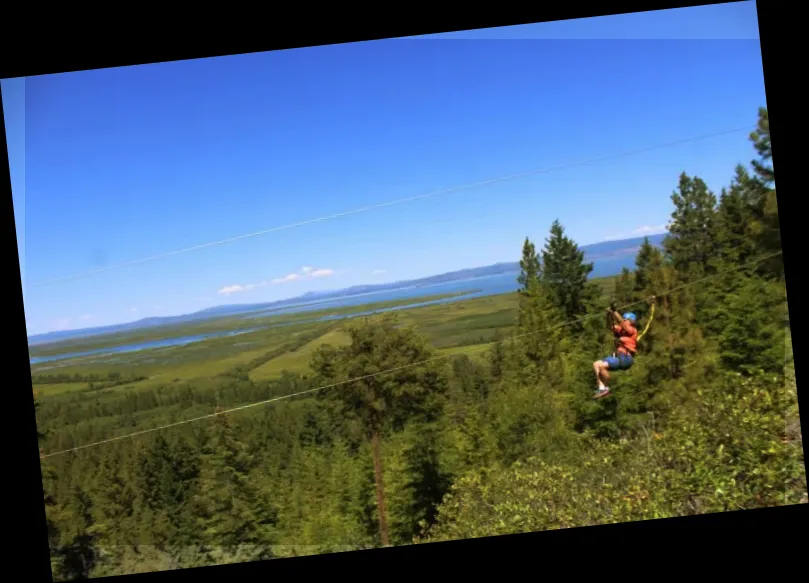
[(736, 539)]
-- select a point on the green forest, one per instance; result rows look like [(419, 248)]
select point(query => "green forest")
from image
[(405, 439)]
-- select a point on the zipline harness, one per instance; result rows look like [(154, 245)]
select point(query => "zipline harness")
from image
[(649, 321)]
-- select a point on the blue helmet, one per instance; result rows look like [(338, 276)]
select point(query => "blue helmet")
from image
[(630, 316)]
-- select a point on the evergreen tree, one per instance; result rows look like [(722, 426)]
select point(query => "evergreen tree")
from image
[(624, 292), (565, 274), (673, 343), (49, 482), (530, 268), (496, 356), (417, 481), (114, 508), (538, 321), (539, 334), (736, 215), (232, 514), (166, 478), (409, 390), (644, 282), (761, 140), (750, 323), (647, 258), (691, 242), (767, 228), (77, 553)]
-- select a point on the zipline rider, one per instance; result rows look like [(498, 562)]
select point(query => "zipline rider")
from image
[(626, 340)]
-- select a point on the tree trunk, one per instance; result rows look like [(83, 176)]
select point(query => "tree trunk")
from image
[(380, 488)]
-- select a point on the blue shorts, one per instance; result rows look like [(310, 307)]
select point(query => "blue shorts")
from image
[(619, 361)]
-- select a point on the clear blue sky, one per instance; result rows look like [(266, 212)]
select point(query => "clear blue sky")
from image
[(114, 165)]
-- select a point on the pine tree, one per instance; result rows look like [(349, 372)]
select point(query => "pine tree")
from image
[(412, 389), (538, 331), (767, 228), (496, 356), (673, 342), (77, 551), (645, 281), (232, 513), (736, 214), (114, 504), (691, 242), (539, 334), (166, 475), (736, 217), (418, 480), (565, 274), (530, 268), (647, 256), (624, 291), (527, 409), (761, 140), (528, 279), (751, 331), (52, 507)]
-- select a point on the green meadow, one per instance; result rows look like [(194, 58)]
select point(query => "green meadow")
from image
[(280, 343)]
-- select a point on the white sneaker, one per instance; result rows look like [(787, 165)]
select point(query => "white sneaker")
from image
[(602, 392)]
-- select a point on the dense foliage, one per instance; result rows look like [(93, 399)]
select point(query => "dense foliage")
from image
[(408, 445)]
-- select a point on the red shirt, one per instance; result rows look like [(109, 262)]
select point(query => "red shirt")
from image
[(627, 337)]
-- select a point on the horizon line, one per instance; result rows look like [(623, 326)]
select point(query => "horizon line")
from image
[(337, 290)]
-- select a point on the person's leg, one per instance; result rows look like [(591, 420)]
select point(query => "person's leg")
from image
[(604, 372), (597, 367), (602, 368)]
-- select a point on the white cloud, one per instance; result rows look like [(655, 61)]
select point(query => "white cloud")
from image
[(230, 289), (639, 232), (286, 278), (378, 272), (87, 317), (650, 230), (306, 272), (133, 310)]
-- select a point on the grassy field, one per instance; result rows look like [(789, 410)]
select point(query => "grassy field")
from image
[(297, 361), (225, 325), (283, 342), (59, 388)]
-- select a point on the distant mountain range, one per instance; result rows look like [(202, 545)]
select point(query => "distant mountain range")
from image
[(609, 258)]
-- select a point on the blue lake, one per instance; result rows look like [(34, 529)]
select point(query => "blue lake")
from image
[(476, 287), (165, 343), (483, 286)]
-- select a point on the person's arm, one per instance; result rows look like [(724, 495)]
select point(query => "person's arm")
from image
[(620, 324), (614, 319)]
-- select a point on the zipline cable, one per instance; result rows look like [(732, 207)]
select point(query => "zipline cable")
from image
[(585, 161)]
